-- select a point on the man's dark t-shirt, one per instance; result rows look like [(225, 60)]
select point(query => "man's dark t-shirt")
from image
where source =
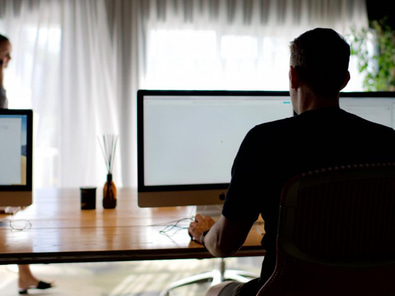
[(273, 152)]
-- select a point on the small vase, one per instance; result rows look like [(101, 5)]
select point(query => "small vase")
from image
[(109, 194)]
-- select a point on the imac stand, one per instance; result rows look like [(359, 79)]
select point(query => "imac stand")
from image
[(214, 211)]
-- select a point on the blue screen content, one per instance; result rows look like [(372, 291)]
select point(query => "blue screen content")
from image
[(13, 149)]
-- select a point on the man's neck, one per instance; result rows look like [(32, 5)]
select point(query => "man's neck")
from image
[(307, 100)]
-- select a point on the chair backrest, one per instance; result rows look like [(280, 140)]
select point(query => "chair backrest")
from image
[(336, 233)]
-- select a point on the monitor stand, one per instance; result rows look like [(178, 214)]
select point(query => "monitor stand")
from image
[(9, 210), (214, 211)]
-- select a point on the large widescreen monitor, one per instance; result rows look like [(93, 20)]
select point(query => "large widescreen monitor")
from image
[(16, 156), (187, 141)]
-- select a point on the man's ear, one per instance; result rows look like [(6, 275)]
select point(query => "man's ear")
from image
[(346, 80), (294, 78)]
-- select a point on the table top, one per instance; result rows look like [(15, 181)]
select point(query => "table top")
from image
[(54, 229)]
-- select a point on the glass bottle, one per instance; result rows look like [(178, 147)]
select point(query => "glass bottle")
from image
[(109, 193)]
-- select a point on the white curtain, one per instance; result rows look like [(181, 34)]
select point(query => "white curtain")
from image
[(78, 64), (64, 67), (236, 44)]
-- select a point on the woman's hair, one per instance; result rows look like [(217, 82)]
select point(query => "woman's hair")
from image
[(321, 57), (3, 38)]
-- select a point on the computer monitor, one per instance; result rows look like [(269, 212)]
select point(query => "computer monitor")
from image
[(187, 141), (16, 150), (378, 107)]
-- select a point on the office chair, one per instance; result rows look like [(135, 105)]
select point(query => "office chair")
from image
[(336, 233)]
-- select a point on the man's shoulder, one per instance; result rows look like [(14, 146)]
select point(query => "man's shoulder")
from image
[(276, 124), (368, 124)]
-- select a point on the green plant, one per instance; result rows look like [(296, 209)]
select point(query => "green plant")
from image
[(375, 49)]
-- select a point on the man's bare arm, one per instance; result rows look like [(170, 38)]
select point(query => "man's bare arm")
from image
[(224, 238)]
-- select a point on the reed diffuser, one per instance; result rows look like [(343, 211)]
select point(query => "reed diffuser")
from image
[(108, 145)]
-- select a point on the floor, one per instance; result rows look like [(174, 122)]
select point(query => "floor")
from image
[(144, 278)]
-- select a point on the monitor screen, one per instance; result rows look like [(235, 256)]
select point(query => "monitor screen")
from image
[(378, 107), (187, 141), (16, 128)]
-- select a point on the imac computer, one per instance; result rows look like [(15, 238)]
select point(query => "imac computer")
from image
[(16, 150), (187, 141)]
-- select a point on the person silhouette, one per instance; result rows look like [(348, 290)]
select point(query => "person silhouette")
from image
[(320, 135), (26, 279)]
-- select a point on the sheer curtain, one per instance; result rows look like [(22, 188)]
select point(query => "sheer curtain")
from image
[(236, 44), (78, 64), (64, 68)]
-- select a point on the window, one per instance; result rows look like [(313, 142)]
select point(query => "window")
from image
[(34, 74), (204, 59)]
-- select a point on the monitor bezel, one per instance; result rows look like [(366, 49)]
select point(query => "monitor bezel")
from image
[(21, 195), (368, 94)]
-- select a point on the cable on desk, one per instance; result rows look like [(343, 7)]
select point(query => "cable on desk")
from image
[(171, 229)]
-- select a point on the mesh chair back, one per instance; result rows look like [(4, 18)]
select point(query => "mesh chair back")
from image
[(342, 215), (336, 233)]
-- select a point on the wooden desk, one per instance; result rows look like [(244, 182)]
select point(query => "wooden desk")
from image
[(61, 232)]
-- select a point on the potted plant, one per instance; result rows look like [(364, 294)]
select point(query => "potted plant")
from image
[(375, 49)]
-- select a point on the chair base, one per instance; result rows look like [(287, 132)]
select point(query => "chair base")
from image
[(215, 276)]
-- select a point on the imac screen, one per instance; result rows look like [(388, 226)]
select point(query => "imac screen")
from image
[(15, 157), (378, 107), (187, 141)]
